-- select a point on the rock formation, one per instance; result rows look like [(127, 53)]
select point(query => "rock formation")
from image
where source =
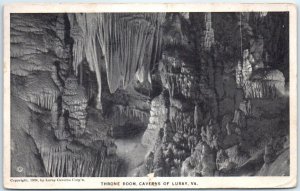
[(187, 94), (51, 108), (74, 103), (118, 36)]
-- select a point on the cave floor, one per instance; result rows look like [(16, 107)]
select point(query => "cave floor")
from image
[(129, 149)]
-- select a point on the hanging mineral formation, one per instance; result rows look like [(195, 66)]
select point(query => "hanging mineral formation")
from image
[(129, 43), (263, 14), (208, 33)]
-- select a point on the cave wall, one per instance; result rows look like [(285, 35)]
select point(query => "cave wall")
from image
[(207, 90), (228, 103), (50, 132)]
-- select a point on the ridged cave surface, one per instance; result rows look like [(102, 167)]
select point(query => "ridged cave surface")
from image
[(129, 94)]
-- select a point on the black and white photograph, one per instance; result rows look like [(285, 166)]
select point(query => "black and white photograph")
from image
[(165, 94)]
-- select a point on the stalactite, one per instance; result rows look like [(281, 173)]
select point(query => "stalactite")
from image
[(263, 14), (68, 160), (130, 113), (129, 43), (41, 94), (208, 33)]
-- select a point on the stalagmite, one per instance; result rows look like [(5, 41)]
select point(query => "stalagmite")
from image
[(198, 116), (158, 115), (166, 82), (74, 102)]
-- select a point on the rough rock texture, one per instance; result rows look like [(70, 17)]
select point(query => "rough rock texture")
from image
[(197, 94), (260, 83), (200, 163), (51, 135), (158, 116), (74, 103), (24, 152), (128, 110), (227, 128), (41, 94), (280, 166)]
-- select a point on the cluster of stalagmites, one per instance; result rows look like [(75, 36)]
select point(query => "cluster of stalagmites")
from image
[(210, 149), (211, 118), (183, 117), (200, 163), (178, 77), (174, 144), (226, 132)]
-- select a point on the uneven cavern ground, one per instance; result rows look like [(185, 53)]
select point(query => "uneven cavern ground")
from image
[(174, 94)]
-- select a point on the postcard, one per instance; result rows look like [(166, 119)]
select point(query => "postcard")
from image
[(150, 96)]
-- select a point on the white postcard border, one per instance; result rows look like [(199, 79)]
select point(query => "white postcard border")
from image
[(165, 182)]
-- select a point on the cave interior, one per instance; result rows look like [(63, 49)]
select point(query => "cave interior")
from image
[(128, 94)]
